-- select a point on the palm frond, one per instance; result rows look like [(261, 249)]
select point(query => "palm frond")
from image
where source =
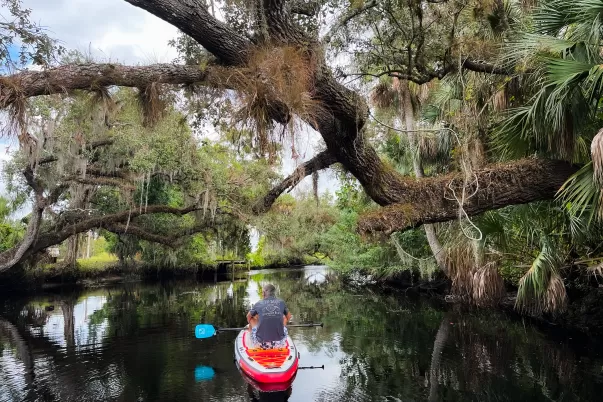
[(528, 49), (541, 288), (553, 16), (488, 286), (581, 196)]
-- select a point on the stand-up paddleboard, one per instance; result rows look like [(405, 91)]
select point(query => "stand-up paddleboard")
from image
[(270, 369)]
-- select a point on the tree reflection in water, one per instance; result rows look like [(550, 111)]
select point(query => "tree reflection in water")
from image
[(135, 342)]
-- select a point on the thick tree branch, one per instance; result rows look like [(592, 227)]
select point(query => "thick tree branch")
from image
[(173, 240), (192, 18), (480, 67), (102, 181), (321, 161), (433, 200), (35, 242), (121, 229), (67, 78)]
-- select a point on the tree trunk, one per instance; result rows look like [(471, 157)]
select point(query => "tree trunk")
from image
[(430, 231), (72, 249), (14, 256), (88, 243)]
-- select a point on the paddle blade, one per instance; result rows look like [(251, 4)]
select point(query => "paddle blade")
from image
[(203, 331), (204, 373)]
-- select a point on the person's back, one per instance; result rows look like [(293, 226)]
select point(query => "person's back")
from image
[(268, 318), (270, 311)]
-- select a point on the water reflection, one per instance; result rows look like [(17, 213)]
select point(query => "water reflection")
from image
[(135, 342)]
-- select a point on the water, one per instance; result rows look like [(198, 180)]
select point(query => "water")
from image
[(135, 342)]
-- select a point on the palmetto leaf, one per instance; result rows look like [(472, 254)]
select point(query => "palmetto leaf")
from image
[(554, 15), (541, 288), (581, 195), (530, 48)]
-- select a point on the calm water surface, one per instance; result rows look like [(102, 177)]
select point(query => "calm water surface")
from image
[(135, 342)]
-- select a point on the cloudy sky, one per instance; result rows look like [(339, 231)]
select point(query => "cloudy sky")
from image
[(113, 30)]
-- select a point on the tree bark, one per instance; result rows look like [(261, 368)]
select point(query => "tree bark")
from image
[(432, 200), (70, 77), (72, 249)]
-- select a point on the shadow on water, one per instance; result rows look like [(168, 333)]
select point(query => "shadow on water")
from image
[(135, 342)]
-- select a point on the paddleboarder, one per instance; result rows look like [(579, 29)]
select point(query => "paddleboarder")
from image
[(268, 320)]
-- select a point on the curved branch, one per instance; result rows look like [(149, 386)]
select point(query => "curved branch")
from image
[(93, 145), (35, 242), (192, 18), (321, 161), (119, 228), (431, 200), (173, 241), (480, 67)]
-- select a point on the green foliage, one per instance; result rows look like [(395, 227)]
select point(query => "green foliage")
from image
[(11, 232), (292, 230), (256, 258), (18, 31)]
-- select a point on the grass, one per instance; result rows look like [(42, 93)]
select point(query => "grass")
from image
[(97, 263)]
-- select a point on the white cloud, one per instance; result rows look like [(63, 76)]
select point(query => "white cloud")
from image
[(108, 29)]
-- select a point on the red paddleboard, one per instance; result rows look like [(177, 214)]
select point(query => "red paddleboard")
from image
[(269, 369)]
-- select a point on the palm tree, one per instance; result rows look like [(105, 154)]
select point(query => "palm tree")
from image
[(561, 54)]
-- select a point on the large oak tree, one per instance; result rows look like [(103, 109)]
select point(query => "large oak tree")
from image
[(336, 112)]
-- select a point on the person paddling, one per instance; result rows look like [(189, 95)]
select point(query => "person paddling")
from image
[(268, 319)]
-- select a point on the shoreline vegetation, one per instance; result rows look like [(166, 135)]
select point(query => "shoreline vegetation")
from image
[(582, 316)]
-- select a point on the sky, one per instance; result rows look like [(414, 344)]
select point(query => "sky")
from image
[(113, 30)]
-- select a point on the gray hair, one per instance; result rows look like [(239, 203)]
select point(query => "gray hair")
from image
[(269, 290)]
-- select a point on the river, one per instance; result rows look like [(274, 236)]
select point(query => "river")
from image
[(135, 342)]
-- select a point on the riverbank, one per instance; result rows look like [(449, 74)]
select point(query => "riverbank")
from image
[(98, 271), (582, 315)]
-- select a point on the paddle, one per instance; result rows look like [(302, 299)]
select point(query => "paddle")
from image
[(203, 331)]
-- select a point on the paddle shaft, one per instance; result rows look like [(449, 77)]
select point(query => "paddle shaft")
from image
[(288, 326), (311, 367)]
